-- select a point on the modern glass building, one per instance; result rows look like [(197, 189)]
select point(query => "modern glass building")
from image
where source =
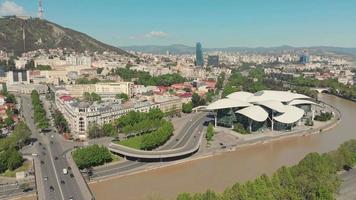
[(199, 59)]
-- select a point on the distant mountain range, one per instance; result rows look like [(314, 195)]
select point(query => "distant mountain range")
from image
[(183, 49), (42, 34)]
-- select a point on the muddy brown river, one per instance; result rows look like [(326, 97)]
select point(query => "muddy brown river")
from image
[(221, 171)]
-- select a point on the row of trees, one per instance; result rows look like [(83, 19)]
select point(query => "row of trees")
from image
[(91, 97), (152, 129), (60, 122), (144, 78), (134, 117), (158, 137), (96, 131), (315, 177), (85, 80), (39, 112), (10, 157), (91, 156), (210, 132)]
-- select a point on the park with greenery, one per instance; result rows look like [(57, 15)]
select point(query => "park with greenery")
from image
[(39, 112), (91, 156), (144, 131), (10, 157), (314, 177), (144, 78)]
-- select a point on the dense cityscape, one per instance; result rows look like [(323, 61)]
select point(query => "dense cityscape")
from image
[(81, 119)]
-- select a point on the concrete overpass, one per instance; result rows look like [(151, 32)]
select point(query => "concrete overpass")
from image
[(192, 142)]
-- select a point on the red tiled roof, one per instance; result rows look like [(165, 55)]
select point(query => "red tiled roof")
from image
[(66, 98)]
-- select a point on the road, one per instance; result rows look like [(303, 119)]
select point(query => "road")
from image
[(185, 139), (50, 153), (10, 190)]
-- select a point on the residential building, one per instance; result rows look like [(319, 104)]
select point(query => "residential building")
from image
[(213, 60)]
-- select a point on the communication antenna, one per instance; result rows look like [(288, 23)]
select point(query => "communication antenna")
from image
[(40, 9)]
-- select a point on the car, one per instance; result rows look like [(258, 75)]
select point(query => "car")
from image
[(40, 143), (69, 168), (71, 175), (45, 178), (56, 158), (44, 148), (51, 188), (62, 182), (65, 171), (51, 142), (42, 162), (70, 198)]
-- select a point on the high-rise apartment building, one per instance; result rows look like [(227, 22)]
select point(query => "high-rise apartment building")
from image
[(199, 59)]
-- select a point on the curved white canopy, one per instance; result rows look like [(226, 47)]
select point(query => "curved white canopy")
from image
[(282, 96), (274, 105), (242, 96), (256, 113), (227, 103), (301, 101), (292, 114)]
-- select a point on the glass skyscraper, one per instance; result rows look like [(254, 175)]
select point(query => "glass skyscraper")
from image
[(199, 59)]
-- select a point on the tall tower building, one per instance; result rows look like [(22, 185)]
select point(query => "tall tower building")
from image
[(199, 59)]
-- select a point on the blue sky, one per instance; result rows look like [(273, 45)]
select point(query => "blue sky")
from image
[(215, 23)]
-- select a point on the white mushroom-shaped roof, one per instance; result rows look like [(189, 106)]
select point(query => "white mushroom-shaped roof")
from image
[(274, 105), (256, 113), (301, 101), (227, 103), (282, 96), (242, 96), (292, 114)]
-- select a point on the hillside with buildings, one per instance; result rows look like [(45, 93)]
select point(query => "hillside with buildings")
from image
[(20, 35)]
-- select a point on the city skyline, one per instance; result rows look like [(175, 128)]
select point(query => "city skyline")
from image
[(214, 23)]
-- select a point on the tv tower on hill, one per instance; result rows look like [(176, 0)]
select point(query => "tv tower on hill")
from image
[(40, 9)]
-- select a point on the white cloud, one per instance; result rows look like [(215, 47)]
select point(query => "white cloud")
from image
[(156, 34), (150, 35), (8, 7)]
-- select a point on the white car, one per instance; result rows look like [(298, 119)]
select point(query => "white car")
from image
[(65, 171)]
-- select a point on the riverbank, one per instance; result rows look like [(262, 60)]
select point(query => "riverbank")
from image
[(224, 169)]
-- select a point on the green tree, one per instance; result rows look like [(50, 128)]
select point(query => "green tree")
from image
[(210, 132), (91, 156), (122, 96), (94, 131), (187, 107), (197, 100)]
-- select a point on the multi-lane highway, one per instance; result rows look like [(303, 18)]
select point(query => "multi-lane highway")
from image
[(56, 184)]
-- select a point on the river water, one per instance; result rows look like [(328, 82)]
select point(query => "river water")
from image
[(224, 170)]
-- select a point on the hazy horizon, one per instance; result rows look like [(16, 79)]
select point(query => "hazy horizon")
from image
[(217, 24)]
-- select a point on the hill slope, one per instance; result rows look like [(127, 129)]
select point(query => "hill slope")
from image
[(42, 34)]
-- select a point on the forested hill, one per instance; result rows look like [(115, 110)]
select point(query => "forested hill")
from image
[(42, 34)]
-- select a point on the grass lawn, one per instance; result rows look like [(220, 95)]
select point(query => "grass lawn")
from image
[(133, 142), (25, 166), (115, 157)]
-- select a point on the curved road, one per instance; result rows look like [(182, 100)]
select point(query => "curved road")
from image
[(188, 143), (184, 139)]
